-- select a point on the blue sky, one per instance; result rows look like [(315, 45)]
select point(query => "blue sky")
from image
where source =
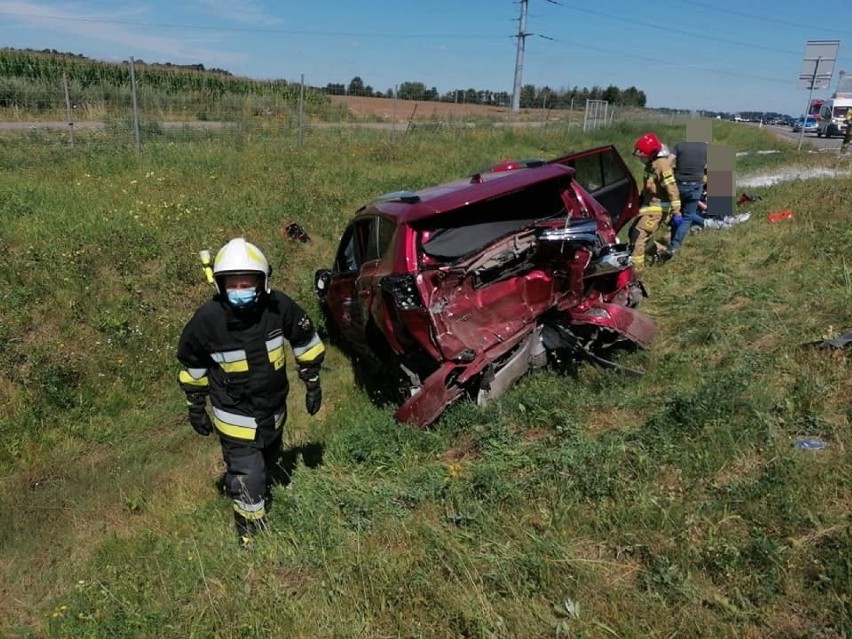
[(702, 54)]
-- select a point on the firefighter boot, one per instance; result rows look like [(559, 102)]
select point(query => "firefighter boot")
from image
[(247, 530)]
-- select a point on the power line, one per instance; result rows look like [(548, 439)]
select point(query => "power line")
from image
[(764, 18), (669, 29), (668, 62)]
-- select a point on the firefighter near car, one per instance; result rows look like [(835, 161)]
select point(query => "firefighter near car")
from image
[(232, 356), (659, 197)]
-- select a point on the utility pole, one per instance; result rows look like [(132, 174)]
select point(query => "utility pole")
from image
[(519, 57)]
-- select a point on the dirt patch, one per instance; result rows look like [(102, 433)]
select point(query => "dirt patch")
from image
[(465, 450), (389, 109)]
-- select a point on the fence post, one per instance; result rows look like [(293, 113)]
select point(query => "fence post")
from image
[(301, 110), (395, 101), (68, 108), (135, 105)]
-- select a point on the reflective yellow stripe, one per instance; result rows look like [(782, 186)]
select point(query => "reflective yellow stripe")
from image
[(185, 377), (277, 358), (275, 349), (252, 512), (242, 426), (234, 425), (311, 354), (650, 209), (231, 361), (237, 432)]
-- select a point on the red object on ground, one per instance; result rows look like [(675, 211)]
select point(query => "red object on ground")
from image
[(780, 215)]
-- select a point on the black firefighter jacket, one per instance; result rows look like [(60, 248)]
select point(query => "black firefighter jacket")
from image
[(237, 359)]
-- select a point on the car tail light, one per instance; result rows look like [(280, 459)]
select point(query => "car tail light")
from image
[(402, 289)]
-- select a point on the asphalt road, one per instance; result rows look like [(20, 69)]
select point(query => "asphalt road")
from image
[(810, 140)]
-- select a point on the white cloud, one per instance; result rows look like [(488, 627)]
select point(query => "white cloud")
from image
[(139, 40)]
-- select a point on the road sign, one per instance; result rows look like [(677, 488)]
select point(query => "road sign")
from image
[(818, 64)]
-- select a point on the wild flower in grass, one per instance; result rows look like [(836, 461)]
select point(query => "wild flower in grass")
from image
[(830, 333), (454, 470)]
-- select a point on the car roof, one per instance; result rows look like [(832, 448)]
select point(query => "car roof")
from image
[(407, 206)]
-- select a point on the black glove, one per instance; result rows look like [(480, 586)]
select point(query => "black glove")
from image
[(200, 421), (313, 396)]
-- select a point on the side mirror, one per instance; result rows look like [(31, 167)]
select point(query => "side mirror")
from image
[(322, 282)]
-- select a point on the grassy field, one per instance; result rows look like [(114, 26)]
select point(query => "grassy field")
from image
[(673, 505)]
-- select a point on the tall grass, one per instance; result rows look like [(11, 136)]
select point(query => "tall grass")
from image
[(584, 506)]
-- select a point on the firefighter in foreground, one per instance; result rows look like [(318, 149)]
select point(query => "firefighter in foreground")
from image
[(232, 352), (659, 196)]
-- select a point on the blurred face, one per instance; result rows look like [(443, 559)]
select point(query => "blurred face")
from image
[(241, 282)]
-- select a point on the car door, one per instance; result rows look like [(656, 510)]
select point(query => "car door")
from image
[(345, 300), (604, 175)]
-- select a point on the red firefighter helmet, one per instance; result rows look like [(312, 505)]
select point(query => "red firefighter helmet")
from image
[(647, 147)]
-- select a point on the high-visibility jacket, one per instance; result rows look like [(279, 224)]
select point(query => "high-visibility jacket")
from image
[(237, 359), (659, 189)]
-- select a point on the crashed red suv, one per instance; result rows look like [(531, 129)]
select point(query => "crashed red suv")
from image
[(461, 288)]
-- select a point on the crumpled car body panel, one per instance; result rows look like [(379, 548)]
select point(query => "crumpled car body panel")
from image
[(461, 288)]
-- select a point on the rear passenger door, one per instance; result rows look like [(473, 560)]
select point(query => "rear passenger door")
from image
[(604, 175)]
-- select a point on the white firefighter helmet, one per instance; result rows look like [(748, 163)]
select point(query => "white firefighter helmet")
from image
[(239, 256)]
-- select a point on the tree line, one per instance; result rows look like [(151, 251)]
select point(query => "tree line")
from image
[(531, 96)]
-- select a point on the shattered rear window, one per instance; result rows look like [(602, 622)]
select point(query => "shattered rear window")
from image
[(466, 231)]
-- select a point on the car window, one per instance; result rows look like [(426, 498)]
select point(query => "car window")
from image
[(460, 233), (347, 260), (379, 236), (588, 172), (613, 170), (596, 171)]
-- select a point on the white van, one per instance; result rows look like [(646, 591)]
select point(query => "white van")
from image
[(832, 116)]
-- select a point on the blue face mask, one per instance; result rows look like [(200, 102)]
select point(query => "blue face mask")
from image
[(242, 298)]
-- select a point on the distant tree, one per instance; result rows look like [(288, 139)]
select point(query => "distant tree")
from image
[(368, 91), (502, 98), (335, 89), (411, 91), (431, 95), (544, 97), (612, 94), (527, 98), (356, 86)]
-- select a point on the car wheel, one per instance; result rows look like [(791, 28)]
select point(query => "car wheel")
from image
[(819, 133)]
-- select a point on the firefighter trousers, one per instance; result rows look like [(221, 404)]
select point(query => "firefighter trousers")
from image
[(249, 466), (643, 228)]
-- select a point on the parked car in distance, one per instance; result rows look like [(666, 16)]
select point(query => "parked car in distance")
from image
[(810, 125), (460, 289)]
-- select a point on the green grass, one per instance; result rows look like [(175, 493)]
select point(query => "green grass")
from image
[(587, 506)]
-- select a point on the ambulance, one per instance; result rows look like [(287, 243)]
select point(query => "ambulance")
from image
[(832, 114)]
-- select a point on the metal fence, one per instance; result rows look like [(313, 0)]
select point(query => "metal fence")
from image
[(131, 114)]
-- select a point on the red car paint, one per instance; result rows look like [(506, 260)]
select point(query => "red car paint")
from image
[(462, 287)]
